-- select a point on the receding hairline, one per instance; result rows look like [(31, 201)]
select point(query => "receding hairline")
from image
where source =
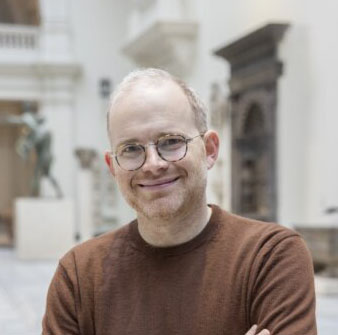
[(133, 86), (152, 77)]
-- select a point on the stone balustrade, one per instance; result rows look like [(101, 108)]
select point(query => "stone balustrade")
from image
[(14, 37)]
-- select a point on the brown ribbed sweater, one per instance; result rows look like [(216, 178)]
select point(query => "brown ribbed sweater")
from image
[(235, 273)]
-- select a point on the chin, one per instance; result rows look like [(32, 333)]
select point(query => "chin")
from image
[(163, 208)]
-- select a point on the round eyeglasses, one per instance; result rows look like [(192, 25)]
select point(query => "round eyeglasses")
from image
[(171, 148)]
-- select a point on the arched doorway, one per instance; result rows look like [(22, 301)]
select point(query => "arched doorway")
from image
[(255, 69)]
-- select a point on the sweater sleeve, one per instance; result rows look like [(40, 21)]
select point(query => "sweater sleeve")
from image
[(60, 316), (282, 296)]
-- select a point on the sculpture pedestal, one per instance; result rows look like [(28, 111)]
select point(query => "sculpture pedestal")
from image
[(44, 228)]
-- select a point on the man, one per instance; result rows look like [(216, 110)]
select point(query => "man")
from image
[(183, 267)]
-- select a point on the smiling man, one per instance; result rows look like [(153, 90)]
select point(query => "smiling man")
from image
[(182, 266)]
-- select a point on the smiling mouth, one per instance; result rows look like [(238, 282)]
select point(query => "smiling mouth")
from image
[(159, 184)]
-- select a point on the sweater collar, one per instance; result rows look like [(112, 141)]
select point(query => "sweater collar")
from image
[(205, 235)]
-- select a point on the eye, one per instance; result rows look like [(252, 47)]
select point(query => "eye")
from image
[(171, 143), (130, 151)]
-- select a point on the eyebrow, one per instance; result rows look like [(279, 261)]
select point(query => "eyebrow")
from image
[(128, 141), (158, 135)]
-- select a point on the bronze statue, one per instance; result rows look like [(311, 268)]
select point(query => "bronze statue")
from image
[(38, 138)]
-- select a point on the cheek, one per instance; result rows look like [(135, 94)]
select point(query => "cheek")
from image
[(123, 180), (194, 169), (197, 161)]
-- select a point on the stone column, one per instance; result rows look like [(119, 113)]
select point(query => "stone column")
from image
[(85, 193)]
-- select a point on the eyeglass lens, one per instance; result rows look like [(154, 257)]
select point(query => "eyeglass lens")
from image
[(170, 148)]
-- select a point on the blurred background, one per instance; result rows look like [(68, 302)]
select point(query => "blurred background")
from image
[(267, 71)]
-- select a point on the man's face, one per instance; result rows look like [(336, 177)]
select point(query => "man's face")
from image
[(159, 189)]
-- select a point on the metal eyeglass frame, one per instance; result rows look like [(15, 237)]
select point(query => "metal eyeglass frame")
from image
[(187, 140)]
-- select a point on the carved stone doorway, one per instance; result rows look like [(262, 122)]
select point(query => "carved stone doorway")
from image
[(15, 173), (255, 69)]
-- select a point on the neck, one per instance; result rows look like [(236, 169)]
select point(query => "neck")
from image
[(177, 230)]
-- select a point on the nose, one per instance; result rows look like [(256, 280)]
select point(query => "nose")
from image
[(153, 162)]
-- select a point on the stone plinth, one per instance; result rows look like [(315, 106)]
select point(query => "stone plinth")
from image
[(323, 244), (44, 228)]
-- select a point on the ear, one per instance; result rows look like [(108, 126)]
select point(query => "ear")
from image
[(211, 141), (109, 161)]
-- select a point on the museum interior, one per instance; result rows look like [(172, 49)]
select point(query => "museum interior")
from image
[(265, 69)]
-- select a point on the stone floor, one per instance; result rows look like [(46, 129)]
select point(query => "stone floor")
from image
[(23, 287)]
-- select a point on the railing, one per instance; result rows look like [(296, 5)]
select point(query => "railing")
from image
[(14, 37)]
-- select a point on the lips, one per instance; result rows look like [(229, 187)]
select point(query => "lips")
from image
[(158, 183)]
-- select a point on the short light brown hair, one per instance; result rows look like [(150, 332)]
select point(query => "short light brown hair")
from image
[(153, 75)]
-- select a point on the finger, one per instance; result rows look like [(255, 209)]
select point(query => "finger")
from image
[(264, 332), (252, 330)]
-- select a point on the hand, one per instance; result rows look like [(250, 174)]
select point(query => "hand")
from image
[(252, 331)]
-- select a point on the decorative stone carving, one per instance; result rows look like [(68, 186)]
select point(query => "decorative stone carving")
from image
[(86, 192), (86, 157), (168, 45), (109, 204), (255, 69), (218, 106), (97, 196)]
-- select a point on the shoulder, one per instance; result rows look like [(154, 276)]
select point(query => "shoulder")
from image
[(90, 254), (258, 249), (272, 265), (243, 226), (253, 235)]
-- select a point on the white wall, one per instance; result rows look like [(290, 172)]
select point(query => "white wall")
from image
[(323, 138)]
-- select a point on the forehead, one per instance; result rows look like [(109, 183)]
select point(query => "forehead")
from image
[(147, 110)]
